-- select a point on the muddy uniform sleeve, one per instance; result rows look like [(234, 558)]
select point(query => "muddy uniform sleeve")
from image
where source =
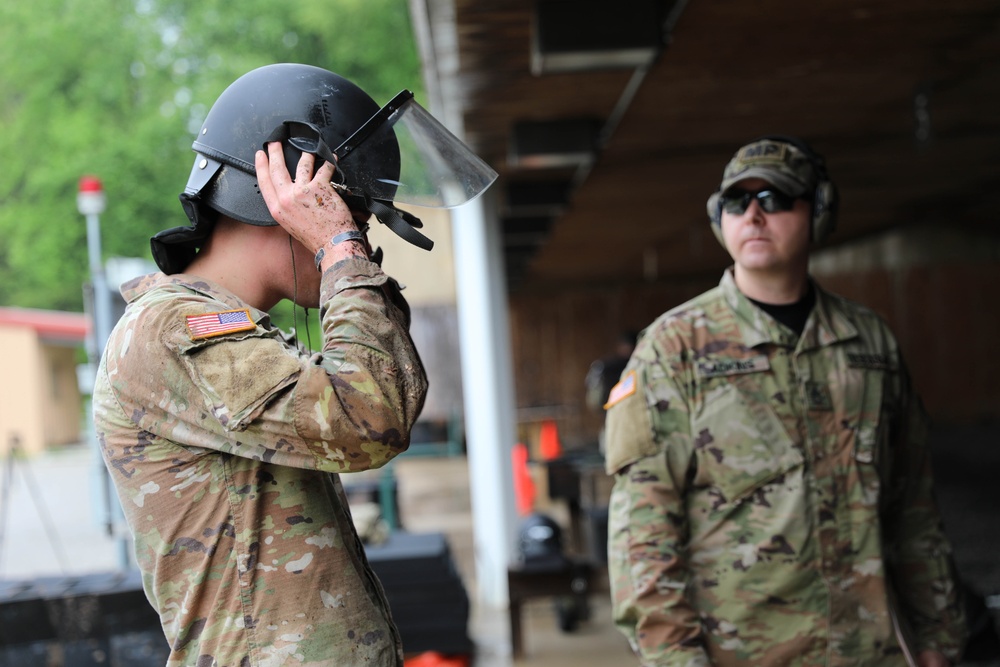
[(347, 408), (648, 452), (919, 552)]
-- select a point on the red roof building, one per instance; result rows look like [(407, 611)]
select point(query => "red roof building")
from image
[(40, 401)]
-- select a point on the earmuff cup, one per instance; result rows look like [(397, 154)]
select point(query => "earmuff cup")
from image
[(824, 210), (714, 208)]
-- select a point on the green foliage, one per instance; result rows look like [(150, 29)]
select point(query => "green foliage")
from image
[(117, 89), (304, 322)]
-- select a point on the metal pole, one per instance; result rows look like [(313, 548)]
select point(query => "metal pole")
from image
[(91, 202), (488, 386), (102, 297)]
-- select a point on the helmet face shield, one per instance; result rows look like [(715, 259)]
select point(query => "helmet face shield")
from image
[(404, 154)]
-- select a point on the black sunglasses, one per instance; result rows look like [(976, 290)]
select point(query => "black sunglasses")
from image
[(736, 202)]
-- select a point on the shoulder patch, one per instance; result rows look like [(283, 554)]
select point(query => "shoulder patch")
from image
[(625, 388), (219, 324)]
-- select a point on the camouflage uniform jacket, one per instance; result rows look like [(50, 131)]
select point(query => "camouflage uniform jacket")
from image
[(772, 501), (225, 451)]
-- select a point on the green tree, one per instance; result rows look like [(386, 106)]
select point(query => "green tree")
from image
[(117, 89)]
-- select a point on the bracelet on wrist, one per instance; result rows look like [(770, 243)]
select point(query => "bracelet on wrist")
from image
[(352, 235)]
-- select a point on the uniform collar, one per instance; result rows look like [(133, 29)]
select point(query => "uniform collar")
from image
[(826, 324), (179, 282)]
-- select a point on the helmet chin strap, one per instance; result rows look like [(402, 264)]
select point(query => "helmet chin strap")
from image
[(295, 297), (403, 224)]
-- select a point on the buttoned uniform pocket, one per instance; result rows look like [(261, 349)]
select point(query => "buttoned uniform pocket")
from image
[(740, 442), (239, 375), (870, 453)]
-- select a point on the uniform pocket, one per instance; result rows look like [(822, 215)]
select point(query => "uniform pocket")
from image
[(740, 443), (871, 435), (238, 378)]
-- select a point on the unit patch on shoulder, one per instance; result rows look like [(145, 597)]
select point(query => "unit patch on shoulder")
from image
[(625, 388), (219, 324)]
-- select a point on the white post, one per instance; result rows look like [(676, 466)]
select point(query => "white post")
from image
[(488, 387), (90, 201)]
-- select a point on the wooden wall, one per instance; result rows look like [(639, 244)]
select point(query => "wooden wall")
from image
[(556, 336), (943, 305), (947, 318)]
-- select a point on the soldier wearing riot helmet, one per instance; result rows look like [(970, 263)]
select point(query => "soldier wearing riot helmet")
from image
[(224, 438), (773, 497)]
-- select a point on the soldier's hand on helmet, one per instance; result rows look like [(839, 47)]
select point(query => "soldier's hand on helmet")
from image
[(307, 206)]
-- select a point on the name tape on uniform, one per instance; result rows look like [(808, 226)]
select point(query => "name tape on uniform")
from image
[(872, 362), (720, 367)]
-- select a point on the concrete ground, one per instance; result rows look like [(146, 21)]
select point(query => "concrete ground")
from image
[(48, 516), (434, 496), (48, 527)]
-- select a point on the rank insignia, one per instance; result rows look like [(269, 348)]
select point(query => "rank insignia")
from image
[(818, 396)]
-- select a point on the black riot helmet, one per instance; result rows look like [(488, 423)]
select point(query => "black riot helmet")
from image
[(397, 152)]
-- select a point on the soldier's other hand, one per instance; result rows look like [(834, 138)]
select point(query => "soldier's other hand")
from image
[(307, 207)]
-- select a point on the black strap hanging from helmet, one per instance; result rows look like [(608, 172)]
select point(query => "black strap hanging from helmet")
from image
[(403, 224)]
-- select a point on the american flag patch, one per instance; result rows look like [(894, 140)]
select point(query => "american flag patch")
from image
[(624, 389), (217, 324)]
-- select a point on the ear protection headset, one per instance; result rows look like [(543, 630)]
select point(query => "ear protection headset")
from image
[(824, 199)]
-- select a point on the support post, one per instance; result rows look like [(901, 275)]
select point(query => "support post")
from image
[(488, 387)]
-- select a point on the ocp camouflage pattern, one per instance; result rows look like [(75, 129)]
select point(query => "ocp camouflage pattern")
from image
[(773, 495), (225, 453)]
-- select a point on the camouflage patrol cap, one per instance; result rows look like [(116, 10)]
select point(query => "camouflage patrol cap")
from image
[(780, 163)]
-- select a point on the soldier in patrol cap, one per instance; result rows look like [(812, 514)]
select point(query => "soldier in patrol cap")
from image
[(773, 496), (225, 438)]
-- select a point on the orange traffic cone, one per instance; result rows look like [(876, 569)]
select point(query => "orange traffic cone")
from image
[(524, 486), (435, 659), (548, 440)]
